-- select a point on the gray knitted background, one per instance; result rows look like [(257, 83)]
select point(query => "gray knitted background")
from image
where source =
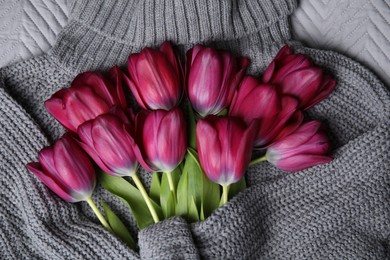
[(340, 210)]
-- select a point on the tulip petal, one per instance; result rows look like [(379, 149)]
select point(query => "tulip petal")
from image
[(209, 149), (204, 81), (301, 162), (84, 105), (111, 143), (277, 123), (74, 168), (55, 107), (167, 49), (51, 183), (98, 84), (117, 76), (134, 91), (269, 72), (327, 86), (303, 84)]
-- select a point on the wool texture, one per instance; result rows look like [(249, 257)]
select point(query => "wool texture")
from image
[(339, 210)]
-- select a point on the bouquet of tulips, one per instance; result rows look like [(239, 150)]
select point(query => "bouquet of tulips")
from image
[(196, 129)]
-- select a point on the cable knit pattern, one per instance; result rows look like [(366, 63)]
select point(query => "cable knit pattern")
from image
[(340, 210)]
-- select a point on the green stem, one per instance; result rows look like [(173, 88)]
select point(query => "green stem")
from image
[(258, 160), (99, 214), (225, 194), (141, 188), (171, 185)]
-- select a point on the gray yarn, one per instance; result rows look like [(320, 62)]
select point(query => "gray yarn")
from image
[(340, 210)]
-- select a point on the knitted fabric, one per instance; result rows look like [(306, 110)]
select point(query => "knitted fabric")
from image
[(339, 210)]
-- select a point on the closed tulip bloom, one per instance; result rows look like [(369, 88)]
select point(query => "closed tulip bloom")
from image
[(256, 101), (162, 139), (90, 94), (66, 169), (295, 75), (156, 78), (108, 139), (213, 76), (225, 147), (307, 146)]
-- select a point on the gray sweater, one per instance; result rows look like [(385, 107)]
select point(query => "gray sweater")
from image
[(340, 210)]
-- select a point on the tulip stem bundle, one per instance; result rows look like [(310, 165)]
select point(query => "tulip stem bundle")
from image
[(225, 193), (171, 184), (98, 213), (258, 160), (144, 194)]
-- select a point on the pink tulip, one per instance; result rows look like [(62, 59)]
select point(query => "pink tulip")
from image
[(213, 76), (262, 102), (156, 78), (90, 95), (295, 75), (66, 170), (108, 139), (307, 146), (162, 139), (225, 147)]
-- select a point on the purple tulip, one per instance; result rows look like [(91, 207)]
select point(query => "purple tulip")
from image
[(108, 139), (162, 139), (156, 78), (65, 169), (295, 75), (225, 147), (262, 102), (213, 76), (90, 95), (307, 146)]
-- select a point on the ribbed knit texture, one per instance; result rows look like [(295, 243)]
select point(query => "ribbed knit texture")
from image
[(340, 210)]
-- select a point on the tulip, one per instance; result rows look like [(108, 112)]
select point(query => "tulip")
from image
[(213, 76), (156, 78), (295, 75), (90, 95), (225, 147), (108, 139), (161, 137), (66, 170), (307, 146), (256, 101)]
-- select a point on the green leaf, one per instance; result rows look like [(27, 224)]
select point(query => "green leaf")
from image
[(182, 194), (237, 187), (202, 217), (155, 187), (171, 205), (223, 112), (195, 181), (193, 214), (118, 227), (131, 196), (211, 196), (211, 192), (165, 202)]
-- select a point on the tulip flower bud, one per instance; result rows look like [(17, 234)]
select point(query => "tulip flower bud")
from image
[(225, 147), (213, 76), (89, 95), (295, 75), (156, 78), (162, 139), (108, 140), (65, 169), (262, 102), (307, 146)]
